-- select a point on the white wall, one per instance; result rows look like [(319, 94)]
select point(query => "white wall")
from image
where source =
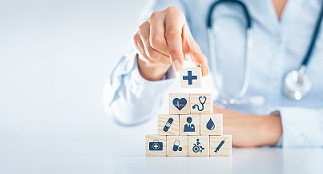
[(55, 56)]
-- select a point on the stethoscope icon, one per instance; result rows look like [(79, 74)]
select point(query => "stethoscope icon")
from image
[(201, 102)]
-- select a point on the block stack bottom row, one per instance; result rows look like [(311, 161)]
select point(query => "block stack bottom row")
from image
[(190, 128)]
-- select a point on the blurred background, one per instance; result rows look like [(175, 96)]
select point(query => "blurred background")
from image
[(55, 56)]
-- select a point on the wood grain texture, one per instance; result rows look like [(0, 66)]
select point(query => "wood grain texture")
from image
[(192, 140), (196, 71), (225, 150), (163, 122), (173, 110), (205, 121), (195, 103), (156, 138), (194, 124), (182, 141)]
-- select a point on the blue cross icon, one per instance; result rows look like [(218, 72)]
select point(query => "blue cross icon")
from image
[(189, 77)]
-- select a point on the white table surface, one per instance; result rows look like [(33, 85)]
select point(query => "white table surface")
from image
[(76, 158)]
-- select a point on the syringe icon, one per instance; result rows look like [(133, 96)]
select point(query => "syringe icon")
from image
[(219, 146)]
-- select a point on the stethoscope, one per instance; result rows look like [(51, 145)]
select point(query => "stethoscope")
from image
[(202, 100), (296, 85)]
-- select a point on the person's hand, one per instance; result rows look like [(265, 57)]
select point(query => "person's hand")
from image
[(251, 130), (164, 40)]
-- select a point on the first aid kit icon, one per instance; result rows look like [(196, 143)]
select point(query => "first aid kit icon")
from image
[(155, 145)]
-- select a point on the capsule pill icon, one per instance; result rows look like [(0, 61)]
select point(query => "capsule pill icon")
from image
[(168, 124)]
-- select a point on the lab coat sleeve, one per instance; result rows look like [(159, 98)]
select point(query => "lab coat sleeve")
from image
[(129, 99), (302, 127)]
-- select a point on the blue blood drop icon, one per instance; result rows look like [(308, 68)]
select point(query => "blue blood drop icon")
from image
[(210, 124)]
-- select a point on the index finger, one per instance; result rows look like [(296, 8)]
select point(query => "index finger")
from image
[(174, 23)]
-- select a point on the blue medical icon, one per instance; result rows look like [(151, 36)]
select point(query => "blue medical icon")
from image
[(197, 147), (210, 124), (189, 78), (202, 100), (176, 146), (189, 126), (168, 124), (219, 146), (179, 103), (155, 145)]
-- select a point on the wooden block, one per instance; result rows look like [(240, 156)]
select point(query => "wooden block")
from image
[(221, 145), (189, 124), (168, 124), (191, 77), (198, 145), (155, 145), (179, 103), (177, 145), (211, 124), (201, 104)]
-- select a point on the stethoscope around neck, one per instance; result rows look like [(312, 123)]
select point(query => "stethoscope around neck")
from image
[(296, 84)]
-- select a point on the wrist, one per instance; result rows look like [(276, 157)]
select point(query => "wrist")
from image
[(151, 72), (271, 129)]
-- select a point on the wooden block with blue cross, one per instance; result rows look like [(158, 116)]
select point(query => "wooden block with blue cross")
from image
[(191, 77), (179, 103)]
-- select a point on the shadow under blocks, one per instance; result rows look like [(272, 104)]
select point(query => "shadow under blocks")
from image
[(191, 128)]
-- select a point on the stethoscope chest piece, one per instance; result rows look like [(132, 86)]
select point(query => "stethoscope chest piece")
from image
[(297, 84)]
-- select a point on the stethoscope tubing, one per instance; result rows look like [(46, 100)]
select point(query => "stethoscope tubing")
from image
[(226, 99)]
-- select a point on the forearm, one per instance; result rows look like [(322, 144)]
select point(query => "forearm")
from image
[(151, 72), (129, 98), (250, 130)]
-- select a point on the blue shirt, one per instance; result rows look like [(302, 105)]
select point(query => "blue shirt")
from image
[(278, 47)]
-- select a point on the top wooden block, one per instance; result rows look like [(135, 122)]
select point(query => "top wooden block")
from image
[(191, 77)]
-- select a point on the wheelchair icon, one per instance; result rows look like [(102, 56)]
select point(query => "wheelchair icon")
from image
[(197, 147)]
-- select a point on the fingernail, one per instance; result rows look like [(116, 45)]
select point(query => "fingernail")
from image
[(176, 65)]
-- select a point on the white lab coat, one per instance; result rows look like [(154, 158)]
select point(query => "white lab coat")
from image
[(279, 46)]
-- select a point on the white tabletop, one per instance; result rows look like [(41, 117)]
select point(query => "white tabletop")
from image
[(74, 158)]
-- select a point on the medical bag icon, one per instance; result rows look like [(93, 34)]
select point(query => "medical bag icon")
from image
[(190, 128), (155, 145), (197, 147)]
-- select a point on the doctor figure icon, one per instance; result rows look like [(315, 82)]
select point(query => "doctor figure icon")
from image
[(189, 126)]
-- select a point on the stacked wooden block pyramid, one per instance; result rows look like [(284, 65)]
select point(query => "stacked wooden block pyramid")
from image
[(190, 128)]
